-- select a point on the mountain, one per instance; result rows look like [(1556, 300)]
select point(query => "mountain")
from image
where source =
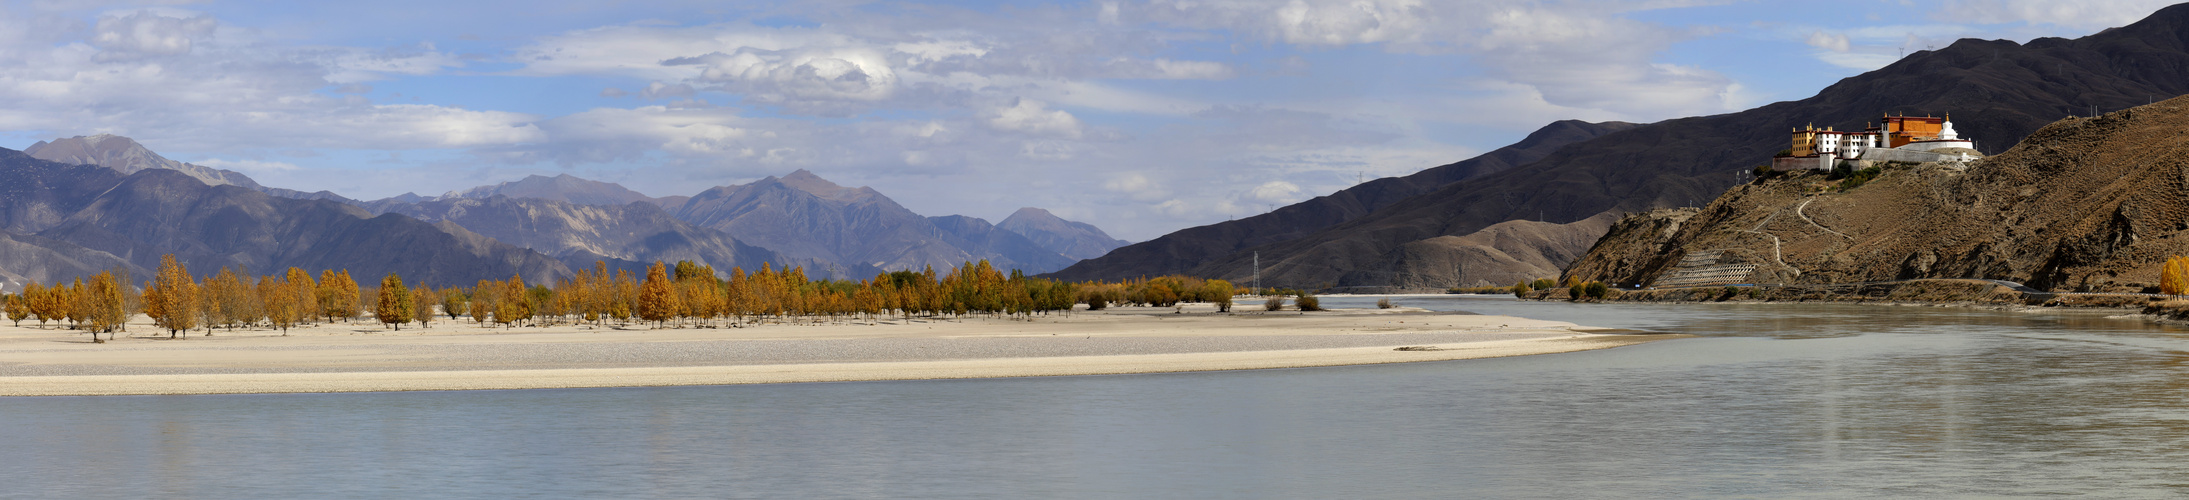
[(629, 236), (565, 188), (802, 215), (85, 213), (1997, 92), (127, 156), (1076, 240), (999, 245), (1185, 251), (25, 259), (2084, 204)]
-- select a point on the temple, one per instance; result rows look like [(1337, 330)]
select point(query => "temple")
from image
[(1897, 138)]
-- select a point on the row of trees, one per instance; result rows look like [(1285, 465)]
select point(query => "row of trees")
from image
[(686, 294)]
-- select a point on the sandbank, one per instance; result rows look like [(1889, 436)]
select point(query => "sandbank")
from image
[(460, 355)]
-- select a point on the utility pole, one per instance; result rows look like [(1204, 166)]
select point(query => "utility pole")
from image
[(1257, 273)]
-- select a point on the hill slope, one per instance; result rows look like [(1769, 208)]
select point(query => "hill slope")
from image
[(1185, 250), (1997, 91), (2082, 204)]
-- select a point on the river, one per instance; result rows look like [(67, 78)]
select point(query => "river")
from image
[(1824, 400)]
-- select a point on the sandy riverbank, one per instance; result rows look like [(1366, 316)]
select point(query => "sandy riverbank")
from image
[(461, 355)]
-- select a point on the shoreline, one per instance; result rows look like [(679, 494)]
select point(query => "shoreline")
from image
[(359, 358)]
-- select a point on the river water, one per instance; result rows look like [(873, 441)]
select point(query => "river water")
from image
[(1771, 401)]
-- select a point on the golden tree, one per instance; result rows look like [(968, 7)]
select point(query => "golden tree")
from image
[(657, 300), (229, 301), (423, 299), (514, 306), (349, 301), (175, 305), (453, 302), (17, 308), (278, 298), (394, 306), (103, 300), (485, 299), (303, 294)]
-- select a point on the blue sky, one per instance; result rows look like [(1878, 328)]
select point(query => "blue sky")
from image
[(1139, 117)]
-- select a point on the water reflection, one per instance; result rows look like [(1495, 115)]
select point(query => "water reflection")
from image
[(1819, 400)]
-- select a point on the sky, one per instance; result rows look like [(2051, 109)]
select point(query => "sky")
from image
[(1141, 117)]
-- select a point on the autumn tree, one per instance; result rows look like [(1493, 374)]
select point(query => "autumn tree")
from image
[(394, 307), (421, 300), (228, 301), (657, 298), (103, 301), (2174, 278), (303, 294), (278, 298), (485, 299), (17, 308), (172, 299), (453, 302), (513, 305)]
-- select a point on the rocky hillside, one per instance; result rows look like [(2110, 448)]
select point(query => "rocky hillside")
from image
[(1997, 91), (2083, 204)]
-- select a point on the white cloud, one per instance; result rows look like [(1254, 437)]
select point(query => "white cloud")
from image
[(1275, 192), (145, 33), (2085, 14), (1033, 117), (249, 166), (1828, 41)]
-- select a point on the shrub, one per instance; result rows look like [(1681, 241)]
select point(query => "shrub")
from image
[(1384, 303), (1596, 289), (1520, 290), (1308, 302), (1273, 304), (1857, 178), (1543, 284)]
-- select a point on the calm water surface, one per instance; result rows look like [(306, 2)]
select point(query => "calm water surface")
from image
[(1773, 401)]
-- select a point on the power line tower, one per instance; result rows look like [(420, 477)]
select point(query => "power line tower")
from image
[(1257, 273)]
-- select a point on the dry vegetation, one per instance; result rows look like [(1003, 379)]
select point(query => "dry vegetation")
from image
[(683, 295)]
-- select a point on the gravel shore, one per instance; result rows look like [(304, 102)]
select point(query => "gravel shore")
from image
[(459, 355)]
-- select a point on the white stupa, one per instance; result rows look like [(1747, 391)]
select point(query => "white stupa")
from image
[(1947, 138)]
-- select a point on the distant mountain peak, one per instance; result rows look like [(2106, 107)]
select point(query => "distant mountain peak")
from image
[(562, 187), (1078, 240), (804, 180), (127, 156)]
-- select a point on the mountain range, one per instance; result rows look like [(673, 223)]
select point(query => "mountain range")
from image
[(562, 222), (1996, 91), (68, 220)]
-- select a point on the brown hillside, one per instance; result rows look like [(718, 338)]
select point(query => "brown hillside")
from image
[(1998, 92), (2081, 204)]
